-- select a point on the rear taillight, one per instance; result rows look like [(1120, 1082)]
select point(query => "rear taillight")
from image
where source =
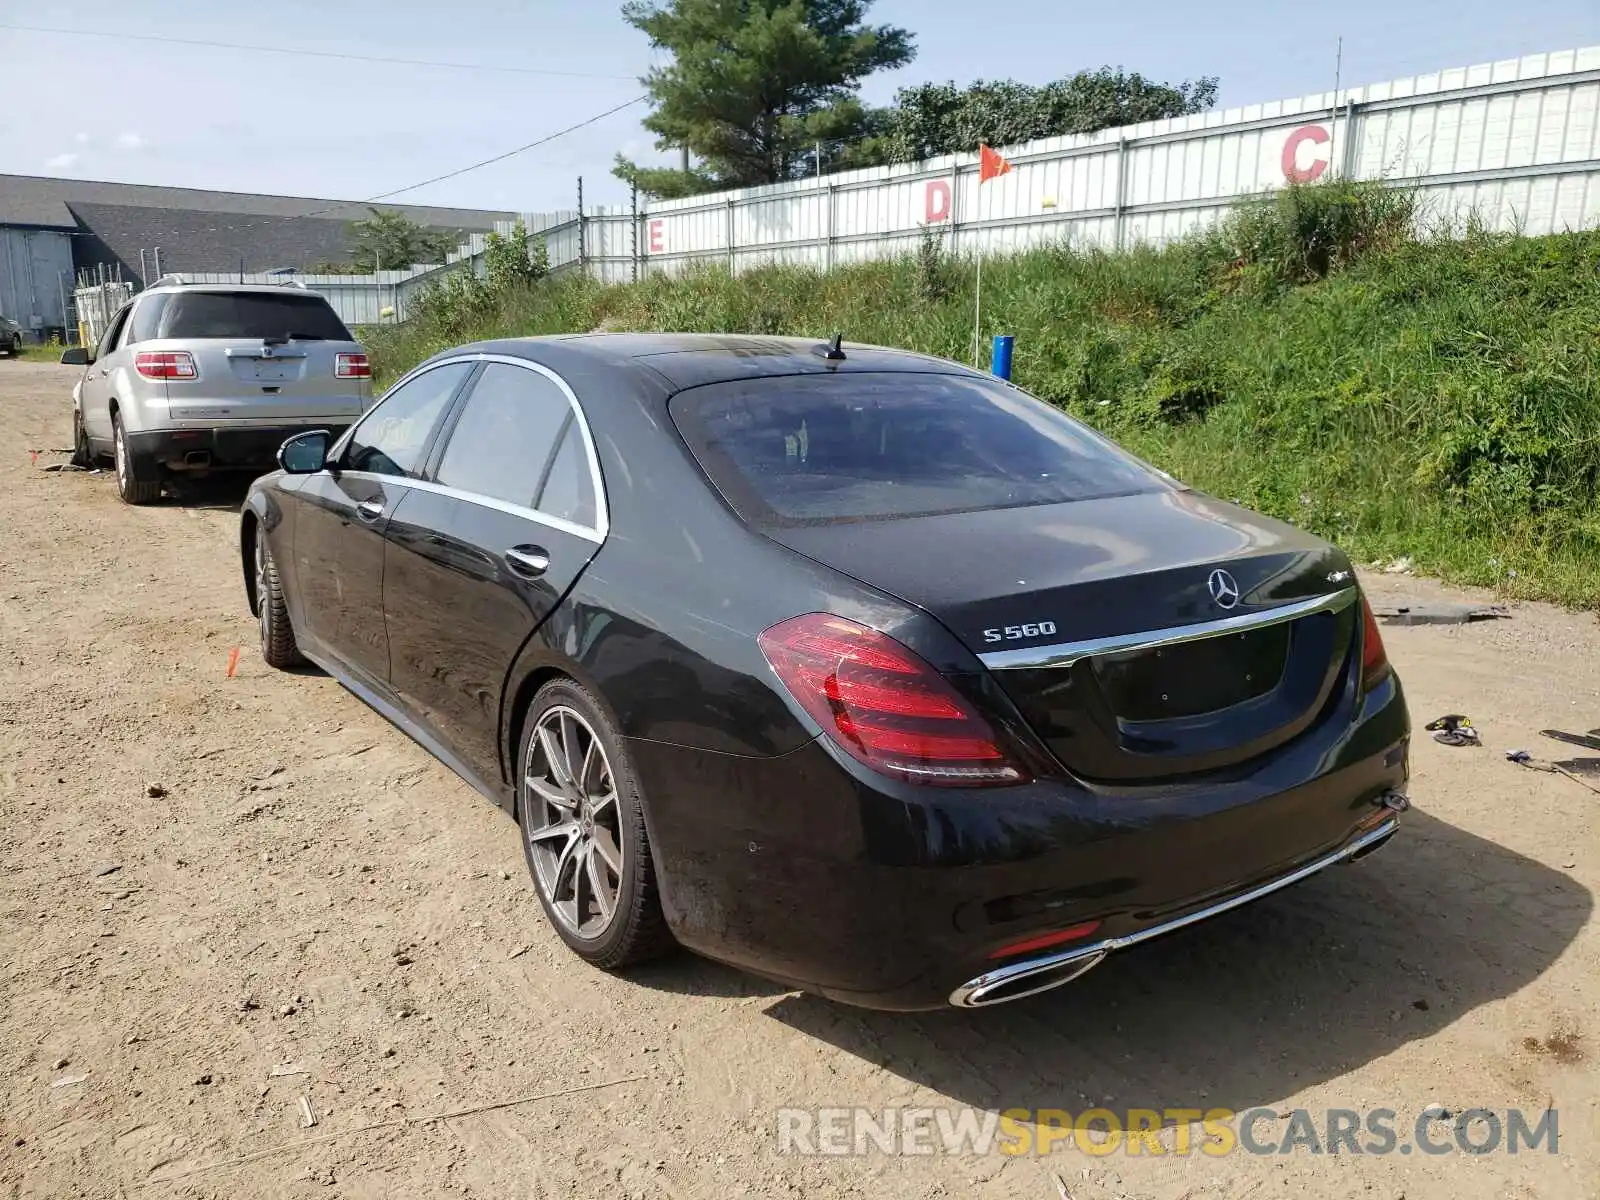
[(352, 366), (165, 364), (1374, 659), (885, 706)]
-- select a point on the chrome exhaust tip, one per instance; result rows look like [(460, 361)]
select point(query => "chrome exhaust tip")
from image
[(1025, 979), (1030, 977)]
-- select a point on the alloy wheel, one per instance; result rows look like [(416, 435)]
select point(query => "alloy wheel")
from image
[(263, 595), (571, 822)]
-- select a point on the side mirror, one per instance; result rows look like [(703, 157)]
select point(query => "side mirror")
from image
[(305, 453), (76, 356)]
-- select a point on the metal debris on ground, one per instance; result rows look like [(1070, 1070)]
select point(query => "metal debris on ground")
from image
[(1454, 729), (1523, 759), (310, 1118), (1440, 613)]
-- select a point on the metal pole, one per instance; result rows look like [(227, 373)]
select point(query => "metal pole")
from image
[(144, 270), (157, 253), (633, 228), (583, 241), (61, 293), (731, 260), (831, 200), (1122, 174), (1333, 113)]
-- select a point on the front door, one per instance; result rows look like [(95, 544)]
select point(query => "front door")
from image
[(345, 514), (476, 563)]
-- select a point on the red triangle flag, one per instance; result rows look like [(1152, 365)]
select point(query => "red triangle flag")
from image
[(991, 164)]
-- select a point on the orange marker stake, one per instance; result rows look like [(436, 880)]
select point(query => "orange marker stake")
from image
[(233, 661)]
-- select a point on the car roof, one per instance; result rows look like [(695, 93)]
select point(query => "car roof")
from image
[(687, 360), (267, 289)]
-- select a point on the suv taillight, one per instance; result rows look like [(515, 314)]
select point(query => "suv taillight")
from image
[(1374, 658), (884, 706), (352, 366), (165, 364)]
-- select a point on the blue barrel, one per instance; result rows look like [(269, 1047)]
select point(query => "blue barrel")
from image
[(1000, 363)]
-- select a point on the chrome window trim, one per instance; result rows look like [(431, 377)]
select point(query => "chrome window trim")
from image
[(1064, 654), (602, 508), (516, 510)]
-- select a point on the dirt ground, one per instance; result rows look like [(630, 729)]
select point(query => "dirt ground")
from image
[(204, 878)]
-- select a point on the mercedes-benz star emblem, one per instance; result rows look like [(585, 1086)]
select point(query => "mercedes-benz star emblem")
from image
[(1223, 588)]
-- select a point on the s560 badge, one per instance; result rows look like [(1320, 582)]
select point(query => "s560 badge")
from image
[(1017, 633)]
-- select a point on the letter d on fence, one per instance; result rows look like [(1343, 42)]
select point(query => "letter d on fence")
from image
[(937, 202)]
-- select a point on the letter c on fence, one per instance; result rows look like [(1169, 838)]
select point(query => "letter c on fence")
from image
[(658, 241), (938, 202), (1292, 170)]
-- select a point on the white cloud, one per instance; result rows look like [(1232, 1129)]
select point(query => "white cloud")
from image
[(129, 141), (60, 162), (81, 138)]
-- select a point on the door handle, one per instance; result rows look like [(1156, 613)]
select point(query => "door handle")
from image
[(528, 561), (369, 510)]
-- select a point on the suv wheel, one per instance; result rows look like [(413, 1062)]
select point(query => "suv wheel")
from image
[(129, 488), (583, 833), (82, 455)]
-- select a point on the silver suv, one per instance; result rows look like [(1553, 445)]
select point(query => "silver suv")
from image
[(196, 378)]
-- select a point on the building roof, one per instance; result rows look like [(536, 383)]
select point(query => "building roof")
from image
[(24, 199), (47, 212)]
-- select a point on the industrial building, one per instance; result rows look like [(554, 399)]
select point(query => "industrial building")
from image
[(53, 229)]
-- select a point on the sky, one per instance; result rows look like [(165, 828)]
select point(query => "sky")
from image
[(111, 107)]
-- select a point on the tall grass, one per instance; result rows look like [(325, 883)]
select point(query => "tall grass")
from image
[(1438, 400)]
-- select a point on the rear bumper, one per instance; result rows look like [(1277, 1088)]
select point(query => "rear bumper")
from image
[(253, 447), (798, 869)]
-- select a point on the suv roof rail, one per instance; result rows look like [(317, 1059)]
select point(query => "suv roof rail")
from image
[(167, 280)]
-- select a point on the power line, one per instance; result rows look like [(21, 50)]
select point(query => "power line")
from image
[(549, 137), (337, 54)]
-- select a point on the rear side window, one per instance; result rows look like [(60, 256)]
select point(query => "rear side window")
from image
[(507, 432), (147, 318), (568, 490), (251, 315), (801, 450)]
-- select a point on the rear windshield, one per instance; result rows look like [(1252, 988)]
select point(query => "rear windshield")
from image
[(251, 315), (802, 450)]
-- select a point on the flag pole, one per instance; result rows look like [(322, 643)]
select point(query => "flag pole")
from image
[(977, 245)]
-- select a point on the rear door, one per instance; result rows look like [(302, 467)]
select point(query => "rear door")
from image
[(478, 558), (345, 511), (263, 355)]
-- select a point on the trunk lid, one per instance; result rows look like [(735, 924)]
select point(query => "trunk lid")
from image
[(1099, 621)]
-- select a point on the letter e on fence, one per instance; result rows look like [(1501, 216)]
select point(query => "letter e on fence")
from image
[(658, 236), (937, 202), (1292, 170)]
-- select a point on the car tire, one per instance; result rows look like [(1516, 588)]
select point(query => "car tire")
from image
[(132, 490), (278, 646), (588, 851), (82, 454)]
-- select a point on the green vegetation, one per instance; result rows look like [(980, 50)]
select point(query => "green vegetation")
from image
[(754, 85), (391, 241), (760, 90), (941, 118), (1436, 399)]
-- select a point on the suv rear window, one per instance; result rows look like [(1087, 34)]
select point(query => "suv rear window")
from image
[(802, 450), (251, 315)]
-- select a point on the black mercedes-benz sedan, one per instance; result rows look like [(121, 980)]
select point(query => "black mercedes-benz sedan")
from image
[(855, 668)]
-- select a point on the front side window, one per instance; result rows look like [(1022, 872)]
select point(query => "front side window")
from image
[(818, 449), (509, 428), (392, 437)]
